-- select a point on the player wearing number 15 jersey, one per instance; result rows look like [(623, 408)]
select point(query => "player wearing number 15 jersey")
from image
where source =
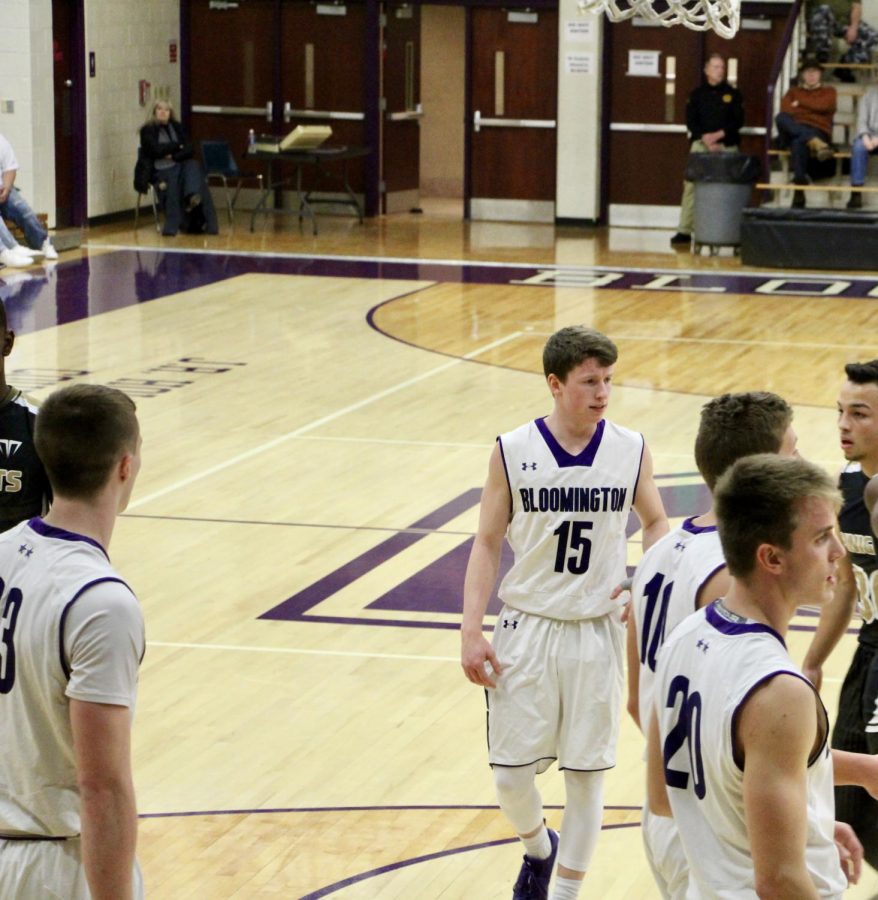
[(71, 640), (686, 570), (559, 489), (738, 742)]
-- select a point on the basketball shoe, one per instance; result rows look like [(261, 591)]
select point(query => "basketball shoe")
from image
[(535, 874)]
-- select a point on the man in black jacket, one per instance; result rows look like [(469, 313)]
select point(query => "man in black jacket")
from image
[(714, 117)]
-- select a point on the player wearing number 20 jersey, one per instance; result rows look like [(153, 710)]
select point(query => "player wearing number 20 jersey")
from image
[(708, 668), (568, 519)]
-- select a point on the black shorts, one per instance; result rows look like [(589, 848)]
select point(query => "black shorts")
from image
[(856, 710)]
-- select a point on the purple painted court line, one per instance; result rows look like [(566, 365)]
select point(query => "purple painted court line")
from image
[(402, 864), (437, 587), (117, 278), (297, 605), (417, 807)]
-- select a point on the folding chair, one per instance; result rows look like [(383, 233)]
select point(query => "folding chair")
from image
[(152, 191), (219, 163)]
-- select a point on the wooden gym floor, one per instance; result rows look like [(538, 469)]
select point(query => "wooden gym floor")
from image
[(317, 417)]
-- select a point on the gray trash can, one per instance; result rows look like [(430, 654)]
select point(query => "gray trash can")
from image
[(723, 182)]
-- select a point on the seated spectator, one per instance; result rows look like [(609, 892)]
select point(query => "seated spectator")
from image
[(804, 123), (187, 201), (714, 116), (865, 143), (16, 209), (839, 18)]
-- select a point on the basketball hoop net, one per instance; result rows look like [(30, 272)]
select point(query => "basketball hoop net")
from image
[(723, 16)]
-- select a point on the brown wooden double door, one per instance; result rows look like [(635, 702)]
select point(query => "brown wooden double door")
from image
[(270, 65)]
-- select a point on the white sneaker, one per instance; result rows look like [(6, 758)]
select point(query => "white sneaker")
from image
[(14, 260), (48, 250), (25, 251)]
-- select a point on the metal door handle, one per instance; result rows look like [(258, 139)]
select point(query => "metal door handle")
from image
[(480, 122), (290, 113), (236, 110)]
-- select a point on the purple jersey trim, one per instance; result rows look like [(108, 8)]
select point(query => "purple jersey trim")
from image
[(506, 473), (70, 602), (639, 469), (698, 603), (690, 528), (564, 459), (766, 678), (50, 531), (724, 626)]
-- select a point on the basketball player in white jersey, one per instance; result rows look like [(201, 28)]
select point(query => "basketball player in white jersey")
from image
[(71, 641), (559, 489), (686, 570), (738, 743)]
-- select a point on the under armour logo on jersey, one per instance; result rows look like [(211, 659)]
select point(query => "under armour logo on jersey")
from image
[(9, 446), (702, 646), (25, 550), (526, 465), (513, 623), (679, 546)]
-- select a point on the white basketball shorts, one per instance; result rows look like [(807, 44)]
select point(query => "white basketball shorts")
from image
[(560, 692)]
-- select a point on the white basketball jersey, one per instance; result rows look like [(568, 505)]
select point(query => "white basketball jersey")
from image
[(706, 670), (44, 573), (568, 519), (665, 591)]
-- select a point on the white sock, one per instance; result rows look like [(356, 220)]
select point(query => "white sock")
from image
[(539, 846), (566, 888)]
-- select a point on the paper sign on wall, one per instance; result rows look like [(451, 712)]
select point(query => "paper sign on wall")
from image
[(643, 63), (579, 29), (578, 63)]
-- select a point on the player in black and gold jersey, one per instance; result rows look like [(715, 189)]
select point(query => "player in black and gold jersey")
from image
[(24, 487)]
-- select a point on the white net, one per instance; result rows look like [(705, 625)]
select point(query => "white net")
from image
[(723, 16)]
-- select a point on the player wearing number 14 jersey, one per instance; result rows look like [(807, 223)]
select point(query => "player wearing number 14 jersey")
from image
[(738, 742), (686, 570), (559, 489)]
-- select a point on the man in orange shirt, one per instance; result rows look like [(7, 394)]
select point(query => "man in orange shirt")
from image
[(804, 123)]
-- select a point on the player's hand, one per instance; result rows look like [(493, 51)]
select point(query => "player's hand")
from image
[(623, 585), (4, 194), (626, 612), (850, 33), (850, 851), (475, 653)]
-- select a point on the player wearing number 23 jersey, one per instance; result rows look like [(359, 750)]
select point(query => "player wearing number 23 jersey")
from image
[(708, 668)]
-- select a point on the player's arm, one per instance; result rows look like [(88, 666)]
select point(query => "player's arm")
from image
[(481, 573), (716, 586), (633, 659), (835, 617), (860, 769), (648, 504), (102, 751), (656, 789), (7, 182), (775, 734)]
